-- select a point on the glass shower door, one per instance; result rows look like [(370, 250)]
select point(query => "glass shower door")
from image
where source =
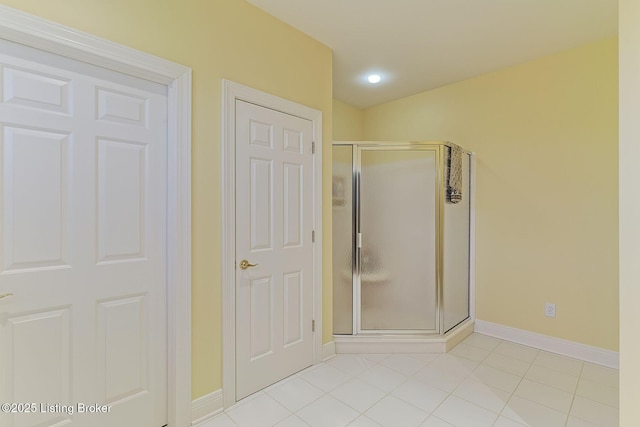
[(342, 204), (398, 231), (456, 257)]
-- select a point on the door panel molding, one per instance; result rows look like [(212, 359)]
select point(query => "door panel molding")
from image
[(32, 31), (230, 93)]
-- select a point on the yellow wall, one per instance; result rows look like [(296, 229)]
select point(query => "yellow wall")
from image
[(217, 39), (545, 133), (348, 122), (629, 14)]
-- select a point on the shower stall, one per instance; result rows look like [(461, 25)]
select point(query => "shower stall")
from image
[(401, 247)]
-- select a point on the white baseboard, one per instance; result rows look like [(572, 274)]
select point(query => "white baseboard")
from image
[(561, 346), (459, 334), (206, 407), (378, 343), (328, 350), (384, 344)]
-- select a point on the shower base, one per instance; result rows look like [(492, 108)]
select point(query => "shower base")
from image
[(400, 343)]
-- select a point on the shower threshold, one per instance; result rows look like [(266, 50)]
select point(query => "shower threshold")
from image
[(403, 343)]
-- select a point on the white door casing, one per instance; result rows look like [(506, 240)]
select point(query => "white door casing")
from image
[(83, 223), (274, 226), (236, 281), (51, 37)]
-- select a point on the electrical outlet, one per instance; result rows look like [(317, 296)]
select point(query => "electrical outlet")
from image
[(550, 310)]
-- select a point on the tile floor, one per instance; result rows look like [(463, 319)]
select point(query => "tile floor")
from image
[(483, 381)]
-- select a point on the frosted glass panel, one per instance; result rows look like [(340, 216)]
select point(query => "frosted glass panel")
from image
[(342, 202), (398, 255), (456, 255)]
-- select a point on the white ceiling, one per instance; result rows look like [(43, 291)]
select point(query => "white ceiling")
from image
[(417, 45)]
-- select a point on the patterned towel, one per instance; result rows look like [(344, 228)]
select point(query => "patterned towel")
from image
[(454, 174)]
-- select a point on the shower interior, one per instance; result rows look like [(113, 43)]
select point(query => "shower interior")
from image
[(401, 251)]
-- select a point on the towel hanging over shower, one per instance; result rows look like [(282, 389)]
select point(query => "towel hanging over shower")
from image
[(454, 173)]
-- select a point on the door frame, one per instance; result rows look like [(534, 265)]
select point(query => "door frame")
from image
[(49, 36), (230, 93)]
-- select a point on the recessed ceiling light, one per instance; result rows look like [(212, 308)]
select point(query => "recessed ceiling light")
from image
[(374, 78)]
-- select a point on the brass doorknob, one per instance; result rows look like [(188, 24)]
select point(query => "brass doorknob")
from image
[(244, 264), (6, 295)]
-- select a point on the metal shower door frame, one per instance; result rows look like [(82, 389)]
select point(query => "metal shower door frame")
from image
[(357, 149)]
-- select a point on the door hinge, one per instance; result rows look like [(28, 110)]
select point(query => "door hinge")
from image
[(313, 147), (313, 326), (313, 236)]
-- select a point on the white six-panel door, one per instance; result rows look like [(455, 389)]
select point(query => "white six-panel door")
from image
[(274, 202), (83, 159)]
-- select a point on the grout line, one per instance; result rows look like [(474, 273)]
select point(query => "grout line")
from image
[(232, 420), (575, 390), (515, 389)]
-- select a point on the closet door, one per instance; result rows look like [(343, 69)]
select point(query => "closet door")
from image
[(83, 244), (397, 212)]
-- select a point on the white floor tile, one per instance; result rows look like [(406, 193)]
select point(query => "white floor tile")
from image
[(594, 412), (533, 414), (287, 379), (292, 421), (461, 413), (375, 357), (598, 392), (506, 422), (393, 412), (420, 395), (484, 342), (600, 375), (470, 352), (545, 395), (425, 357), (553, 378), (325, 377), (443, 379), (467, 387), (404, 364), (482, 395), (496, 378), (384, 378), (455, 363), (363, 421), (221, 420), (304, 371), (327, 411), (447, 372), (259, 412), (507, 364), (352, 364), (434, 421), (559, 363), (295, 394), (517, 351), (577, 422), (358, 394), (249, 398)]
